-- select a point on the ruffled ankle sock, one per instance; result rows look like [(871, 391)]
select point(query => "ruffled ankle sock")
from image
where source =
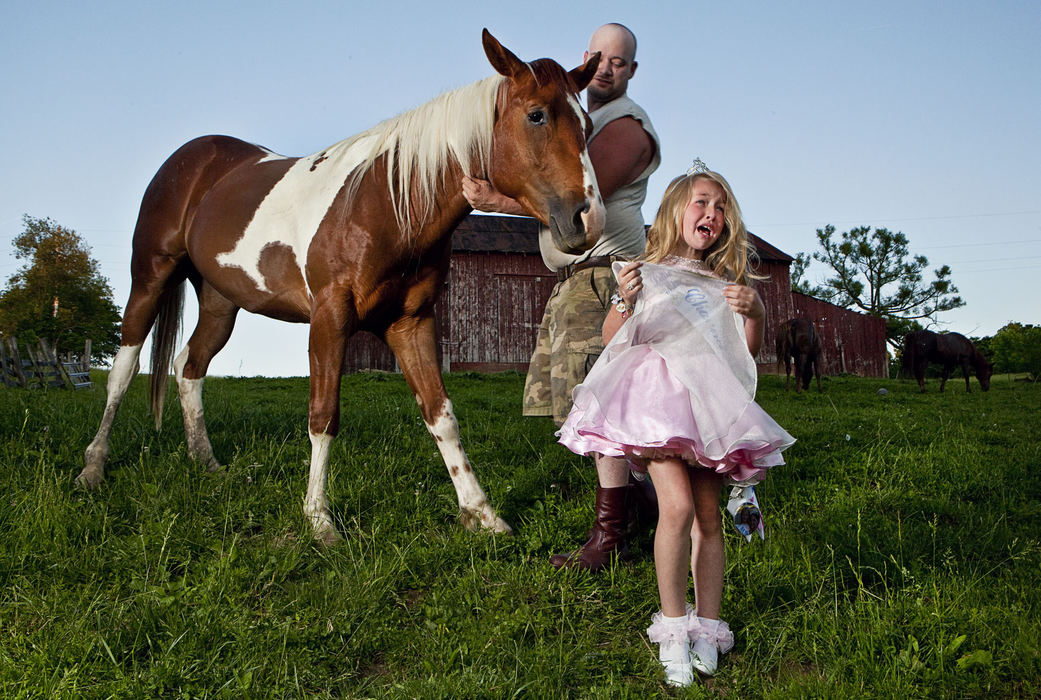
[(710, 638), (673, 639)]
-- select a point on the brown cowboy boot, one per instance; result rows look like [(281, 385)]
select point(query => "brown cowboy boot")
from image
[(643, 503), (607, 536)]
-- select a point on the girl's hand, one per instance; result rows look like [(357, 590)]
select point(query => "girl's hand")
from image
[(745, 301), (630, 282)]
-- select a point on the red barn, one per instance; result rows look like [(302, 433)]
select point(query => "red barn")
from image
[(497, 287)]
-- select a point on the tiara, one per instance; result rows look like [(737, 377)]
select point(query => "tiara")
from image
[(697, 167)]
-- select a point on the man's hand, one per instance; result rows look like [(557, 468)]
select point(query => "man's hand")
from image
[(483, 197)]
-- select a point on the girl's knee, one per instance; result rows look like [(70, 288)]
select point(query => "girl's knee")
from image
[(708, 522), (676, 513)]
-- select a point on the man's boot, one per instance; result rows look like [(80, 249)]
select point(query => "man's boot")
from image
[(643, 503), (608, 535)]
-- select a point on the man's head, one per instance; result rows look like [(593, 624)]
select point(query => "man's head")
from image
[(617, 47)]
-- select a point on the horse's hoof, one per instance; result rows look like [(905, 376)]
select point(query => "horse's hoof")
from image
[(328, 537), (214, 466), (475, 520), (88, 479)]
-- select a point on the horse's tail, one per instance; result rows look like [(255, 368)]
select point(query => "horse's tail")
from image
[(164, 342)]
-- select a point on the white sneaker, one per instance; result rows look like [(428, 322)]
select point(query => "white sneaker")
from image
[(710, 638), (671, 635)]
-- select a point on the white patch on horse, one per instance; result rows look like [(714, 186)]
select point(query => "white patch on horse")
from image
[(190, 393), (271, 156), (594, 217), (124, 367), (472, 500), (316, 507), (294, 208)]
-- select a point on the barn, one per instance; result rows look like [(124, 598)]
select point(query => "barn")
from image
[(490, 309)]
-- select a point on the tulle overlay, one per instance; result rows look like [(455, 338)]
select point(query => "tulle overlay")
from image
[(662, 391)]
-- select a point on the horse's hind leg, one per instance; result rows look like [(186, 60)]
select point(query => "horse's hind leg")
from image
[(414, 344), (216, 321), (138, 318), (124, 367)]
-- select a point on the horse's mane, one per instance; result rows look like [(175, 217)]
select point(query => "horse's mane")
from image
[(419, 143)]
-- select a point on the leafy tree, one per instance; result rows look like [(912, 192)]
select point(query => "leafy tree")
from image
[(60, 294), (798, 271), (1017, 348), (875, 272)]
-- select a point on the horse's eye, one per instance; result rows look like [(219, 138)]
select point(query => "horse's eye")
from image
[(537, 116)]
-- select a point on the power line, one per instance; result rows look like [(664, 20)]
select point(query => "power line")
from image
[(908, 218)]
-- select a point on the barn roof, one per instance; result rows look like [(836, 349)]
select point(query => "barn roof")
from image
[(493, 233)]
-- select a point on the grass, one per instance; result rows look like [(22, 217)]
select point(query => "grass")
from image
[(902, 557)]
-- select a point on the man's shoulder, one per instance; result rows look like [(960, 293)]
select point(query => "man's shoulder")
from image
[(621, 109)]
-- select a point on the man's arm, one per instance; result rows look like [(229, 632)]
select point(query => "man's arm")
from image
[(620, 152)]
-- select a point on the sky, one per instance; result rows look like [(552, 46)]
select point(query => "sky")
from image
[(920, 117)]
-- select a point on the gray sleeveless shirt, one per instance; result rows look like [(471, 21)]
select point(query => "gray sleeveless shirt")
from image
[(623, 234)]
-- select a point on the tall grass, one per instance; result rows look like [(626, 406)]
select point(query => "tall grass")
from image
[(902, 556)]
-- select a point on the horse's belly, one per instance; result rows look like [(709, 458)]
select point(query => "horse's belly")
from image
[(280, 292)]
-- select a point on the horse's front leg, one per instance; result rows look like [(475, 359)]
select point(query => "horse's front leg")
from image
[(326, 346), (944, 377), (413, 341)]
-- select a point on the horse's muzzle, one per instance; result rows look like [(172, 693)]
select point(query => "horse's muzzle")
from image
[(576, 227)]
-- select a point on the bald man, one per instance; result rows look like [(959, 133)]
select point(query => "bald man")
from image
[(624, 150)]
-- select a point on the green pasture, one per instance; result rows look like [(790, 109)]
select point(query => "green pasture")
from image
[(902, 556)]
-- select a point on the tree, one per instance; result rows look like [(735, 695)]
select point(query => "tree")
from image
[(1017, 348), (60, 294), (875, 272), (798, 269)]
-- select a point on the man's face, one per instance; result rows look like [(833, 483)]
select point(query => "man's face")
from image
[(616, 65)]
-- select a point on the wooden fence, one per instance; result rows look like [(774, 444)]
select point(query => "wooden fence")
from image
[(40, 367)]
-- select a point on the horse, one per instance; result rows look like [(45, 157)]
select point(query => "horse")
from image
[(354, 237), (798, 340), (947, 349)]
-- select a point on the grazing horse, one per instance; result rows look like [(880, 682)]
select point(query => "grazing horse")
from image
[(947, 349), (797, 340), (354, 237)]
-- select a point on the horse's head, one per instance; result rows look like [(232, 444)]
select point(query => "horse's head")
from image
[(539, 155), (983, 369)]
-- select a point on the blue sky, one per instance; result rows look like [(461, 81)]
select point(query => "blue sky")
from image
[(919, 117)]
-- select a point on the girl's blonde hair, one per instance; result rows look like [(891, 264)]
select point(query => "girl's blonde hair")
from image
[(730, 257)]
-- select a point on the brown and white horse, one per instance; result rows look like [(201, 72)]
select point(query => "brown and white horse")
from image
[(354, 237)]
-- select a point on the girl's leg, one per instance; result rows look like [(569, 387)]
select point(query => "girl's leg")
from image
[(707, 553), (672, 537)]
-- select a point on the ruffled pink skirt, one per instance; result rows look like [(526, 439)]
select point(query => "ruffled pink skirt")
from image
[(638, 410)]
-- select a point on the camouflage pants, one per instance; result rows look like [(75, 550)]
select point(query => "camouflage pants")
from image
[(569, 341)]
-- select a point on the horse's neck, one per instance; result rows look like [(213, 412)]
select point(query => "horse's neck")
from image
[(450, 210)]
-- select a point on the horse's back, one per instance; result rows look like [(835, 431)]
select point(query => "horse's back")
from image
[(183, 180), (954, 346)]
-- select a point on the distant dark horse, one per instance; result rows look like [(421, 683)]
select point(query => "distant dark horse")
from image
[(354, 237), (797, 339), (947, 349)]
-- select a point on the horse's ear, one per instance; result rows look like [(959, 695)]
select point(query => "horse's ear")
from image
[(502, 59), (583, 74)]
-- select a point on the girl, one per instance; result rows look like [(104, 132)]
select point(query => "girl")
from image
[(674, 390)]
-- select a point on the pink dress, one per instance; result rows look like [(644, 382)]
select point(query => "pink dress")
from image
[(677, 381)]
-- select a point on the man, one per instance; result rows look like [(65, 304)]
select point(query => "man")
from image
[(624, 151)]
